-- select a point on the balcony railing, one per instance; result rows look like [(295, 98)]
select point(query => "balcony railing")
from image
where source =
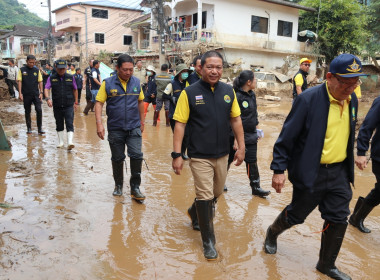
[(8, 54), (186, 36)]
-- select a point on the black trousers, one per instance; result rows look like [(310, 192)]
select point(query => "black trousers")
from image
[(373, 198), (64, 115), (250, 152), (11, 84), (28, 101), (331, 193), (79, 94)]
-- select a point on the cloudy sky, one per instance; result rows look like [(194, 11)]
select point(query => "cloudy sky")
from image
[(40, 8)]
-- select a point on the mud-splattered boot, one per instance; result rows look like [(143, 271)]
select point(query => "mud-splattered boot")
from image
[(135, 180), (192, 212), (117, 168), (28, 121), (254, 180), (155, 117), (361, 211), (279, 226), (332, 238)]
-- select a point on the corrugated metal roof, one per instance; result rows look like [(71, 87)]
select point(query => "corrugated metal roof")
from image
[(106, 3), (26, 31)]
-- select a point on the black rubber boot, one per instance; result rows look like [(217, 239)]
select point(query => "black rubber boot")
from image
[(28, 121), (39, 123), (254, 180), (117, 168), (135, 180), (155, 117), (225, 189), (205, 213), (332, 238), (192, 212), (361, 211), (279, 226)]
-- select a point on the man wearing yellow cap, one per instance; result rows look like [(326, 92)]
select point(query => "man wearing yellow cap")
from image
[(299, 79)]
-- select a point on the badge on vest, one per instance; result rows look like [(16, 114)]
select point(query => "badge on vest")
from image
[(113, 92), (199, 100), (227, 99), (135, 89), (353, 113), (24, 74), (54, 80), (244, 104), (35, 74)]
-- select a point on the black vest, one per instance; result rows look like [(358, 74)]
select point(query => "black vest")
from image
[(304, 85), (178, 87), (29, 81), (193, 77), (209, 119), (248, 108), (87, 72), (95, 86), (62, 90)]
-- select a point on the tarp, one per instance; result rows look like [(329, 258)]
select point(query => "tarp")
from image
[(105, 71)]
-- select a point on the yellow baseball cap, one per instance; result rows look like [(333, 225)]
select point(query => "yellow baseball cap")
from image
[(305, 59)]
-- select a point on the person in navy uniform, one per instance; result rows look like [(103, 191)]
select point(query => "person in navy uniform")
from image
[(316, 146), (125, 123)]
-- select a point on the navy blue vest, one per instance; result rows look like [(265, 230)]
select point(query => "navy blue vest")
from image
[(29, 81), (62, 90), (122, 106)]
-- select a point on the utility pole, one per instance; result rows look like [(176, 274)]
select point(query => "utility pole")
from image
[(50, 35)]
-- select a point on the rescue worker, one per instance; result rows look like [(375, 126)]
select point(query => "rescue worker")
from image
[(300, 78), (95, 80), (364, 206), (243, 86), (87, 82), (162, 80), (150, 90), (125, 123), (79, 81), (10, 75), (210, 108), (195, 75), (30, 86), (64, 100), (316, 146), (172, 93)]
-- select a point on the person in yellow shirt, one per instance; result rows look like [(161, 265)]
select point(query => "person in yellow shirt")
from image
[(300, 78), (29, 79), (316, 146), (209, 107)]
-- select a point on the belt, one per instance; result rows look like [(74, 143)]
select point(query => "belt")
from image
[(330, 165)]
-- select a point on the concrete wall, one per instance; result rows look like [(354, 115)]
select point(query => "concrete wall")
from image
[(73, 20)]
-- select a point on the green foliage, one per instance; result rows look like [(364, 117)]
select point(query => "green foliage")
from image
[(8, 27), (373, 42), (342, 26), (12, 12), (104, 56)]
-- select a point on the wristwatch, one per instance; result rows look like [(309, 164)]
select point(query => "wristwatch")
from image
[(175, 155)]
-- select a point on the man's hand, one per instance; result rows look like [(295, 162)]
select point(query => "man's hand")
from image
[(100, 131), (361, 162), (40, 96), (278, 182), (20, 96), (49, 103), (142, 127), (177, 165), (75, 107), (239, 156)]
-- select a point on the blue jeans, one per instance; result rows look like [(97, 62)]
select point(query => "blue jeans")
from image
[(64, 115), (119, 138), (94, 93)]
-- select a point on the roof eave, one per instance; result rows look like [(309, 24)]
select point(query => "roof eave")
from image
[(292, 5)]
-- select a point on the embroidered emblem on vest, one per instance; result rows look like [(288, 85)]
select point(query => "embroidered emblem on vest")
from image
[(135, 89), (113, 92), (353, 113), (35, 74), (245, 104), (227, 99)]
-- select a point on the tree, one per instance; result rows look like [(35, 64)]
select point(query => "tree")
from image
[(342, 26), (373, 42)]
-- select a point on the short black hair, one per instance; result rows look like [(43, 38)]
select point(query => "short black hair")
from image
[(210, 54), (11, 61), (30, 56), (124, 58), (94, 63), (196, 59), (164, 67), (138, 60), (77, 69)]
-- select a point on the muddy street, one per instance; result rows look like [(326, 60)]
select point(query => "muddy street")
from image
[(60, 220)]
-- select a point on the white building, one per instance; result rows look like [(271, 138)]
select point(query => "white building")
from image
[(260, 33)]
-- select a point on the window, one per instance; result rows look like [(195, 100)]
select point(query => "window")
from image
[(127, 40), (259, 24), (99, 38), (76, 37), (98, 13), (285, 28)]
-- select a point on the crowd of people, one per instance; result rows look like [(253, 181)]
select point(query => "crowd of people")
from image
[(215, 124)]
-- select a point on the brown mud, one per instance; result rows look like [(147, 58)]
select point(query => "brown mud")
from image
[(59, 220)]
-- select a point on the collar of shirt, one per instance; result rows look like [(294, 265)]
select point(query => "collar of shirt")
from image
[(123, 83)]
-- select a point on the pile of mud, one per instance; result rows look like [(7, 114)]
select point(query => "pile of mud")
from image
[(7, 117)]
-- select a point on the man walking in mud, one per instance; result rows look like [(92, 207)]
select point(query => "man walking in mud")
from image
[(300, 78), (30, 86), (209, 108), (316, 147), (125, 123)]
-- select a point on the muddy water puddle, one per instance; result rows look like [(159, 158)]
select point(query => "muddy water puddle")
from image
[(63, 222)]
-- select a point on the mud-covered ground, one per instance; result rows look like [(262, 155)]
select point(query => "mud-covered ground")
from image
[(59, 220)]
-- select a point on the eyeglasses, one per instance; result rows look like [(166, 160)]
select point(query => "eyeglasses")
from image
[(346, 84), (307, 65)]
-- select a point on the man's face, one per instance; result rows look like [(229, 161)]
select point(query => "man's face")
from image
[(305, 66), (97, 66), (341, 88), (30, 63), (61, 71), (11, 64), (125, 71), (212, 70), (139, 64), (198, 67)]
